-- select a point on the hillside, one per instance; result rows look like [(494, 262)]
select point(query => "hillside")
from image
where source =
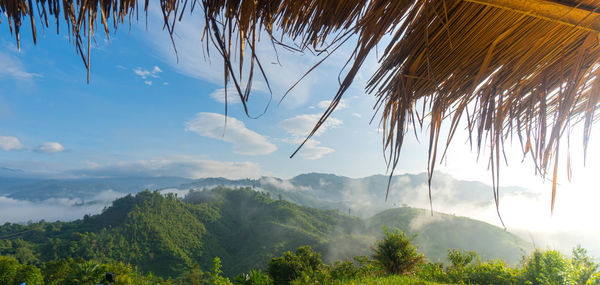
[(168, 236), (245, 228), (436, 234)]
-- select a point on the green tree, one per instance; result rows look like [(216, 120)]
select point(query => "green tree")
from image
[(57, 271), (29, 274), (584, 266), (255, 277), (291, 265), (9, 267), (395, 254), (548, 267), (215, 274), (461, 258), (87, 272)]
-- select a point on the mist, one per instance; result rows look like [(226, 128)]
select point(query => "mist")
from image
[(54, 209)]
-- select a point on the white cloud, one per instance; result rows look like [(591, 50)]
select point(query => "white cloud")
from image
[(325, 104), (49, 147), (148, 82), (12, 67), (312, 149), (357, 115), (244, 141), (145, 74), (301, 125), (190, 168), (232, 95), (10, 143)]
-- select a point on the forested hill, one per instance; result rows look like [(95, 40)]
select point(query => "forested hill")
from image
[(436, 234), (245, 228)]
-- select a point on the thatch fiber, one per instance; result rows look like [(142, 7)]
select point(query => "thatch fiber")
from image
[(527, 68)]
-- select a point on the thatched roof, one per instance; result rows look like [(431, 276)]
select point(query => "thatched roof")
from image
[(509, 67)]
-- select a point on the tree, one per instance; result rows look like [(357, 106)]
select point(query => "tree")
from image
[(87, 272), (30, 275), (215, 274), (395, 254), (584, 266), (548, 267), (291, 265), (9, 267), (460, 258)]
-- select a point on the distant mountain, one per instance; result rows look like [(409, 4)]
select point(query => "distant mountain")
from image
[(364, 197), (367, 196), (85, 189), (245, 228)]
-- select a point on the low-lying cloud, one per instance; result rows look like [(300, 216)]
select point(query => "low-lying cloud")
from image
[(55, 209)]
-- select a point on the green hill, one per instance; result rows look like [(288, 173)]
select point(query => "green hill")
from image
[(436, 234), (245, 228)]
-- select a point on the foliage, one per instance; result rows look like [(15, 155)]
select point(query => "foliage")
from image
[(168, 236), (215, 274), (549, 267), (152, 238), (292, 265), (255, 277), (12, 272), (583, 266), (70, 272), (460, 258), (395, 254), (360, 266), (441, 232)]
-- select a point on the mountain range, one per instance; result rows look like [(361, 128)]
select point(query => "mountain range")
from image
[(363, 197), (168, 235)]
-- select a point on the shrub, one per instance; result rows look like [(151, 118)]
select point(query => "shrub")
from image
[(291, 265), (395, 254), (460, 258), (215, 274), (433, 272), (549, 267), (255, 277)]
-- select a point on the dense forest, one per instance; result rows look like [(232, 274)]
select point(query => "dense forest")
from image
[(227, 233)]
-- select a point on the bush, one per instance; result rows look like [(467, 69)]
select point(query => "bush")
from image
[(549, 267), (461, 258), (433, 272), (491, 272), (291, 266), (361, 266), (255, 277), (395, 254)]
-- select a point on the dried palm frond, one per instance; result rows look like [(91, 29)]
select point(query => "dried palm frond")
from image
[(524, 67)]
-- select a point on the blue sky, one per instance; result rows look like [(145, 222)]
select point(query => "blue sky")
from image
[(142, 107), (146, 112)]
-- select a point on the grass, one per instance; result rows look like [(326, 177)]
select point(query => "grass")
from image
[(393, 279)]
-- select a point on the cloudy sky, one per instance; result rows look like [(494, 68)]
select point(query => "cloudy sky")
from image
[(147, 112)]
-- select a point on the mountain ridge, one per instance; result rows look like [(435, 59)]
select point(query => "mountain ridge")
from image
[(245, 228)]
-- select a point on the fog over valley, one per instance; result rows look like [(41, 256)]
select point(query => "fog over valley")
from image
[(524, 211)]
